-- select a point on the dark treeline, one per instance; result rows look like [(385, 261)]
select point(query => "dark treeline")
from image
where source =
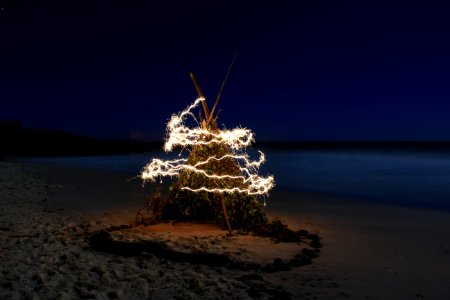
[(17, 141)]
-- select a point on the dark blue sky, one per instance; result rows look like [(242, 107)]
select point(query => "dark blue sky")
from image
[(306, 70)]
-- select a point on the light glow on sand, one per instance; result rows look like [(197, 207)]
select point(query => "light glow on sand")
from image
[(180, 135)]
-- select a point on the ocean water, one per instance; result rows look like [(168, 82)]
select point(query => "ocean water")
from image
[(412, 178)]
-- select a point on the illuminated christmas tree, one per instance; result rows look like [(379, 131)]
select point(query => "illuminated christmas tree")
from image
[(218, 180)]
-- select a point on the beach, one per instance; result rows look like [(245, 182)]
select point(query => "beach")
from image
[(370, 250)]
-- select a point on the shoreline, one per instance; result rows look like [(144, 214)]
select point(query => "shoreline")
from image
[(370, 250), (406, 181)]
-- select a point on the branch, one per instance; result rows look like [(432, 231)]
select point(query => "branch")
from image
[(200, 94), (221, 87)]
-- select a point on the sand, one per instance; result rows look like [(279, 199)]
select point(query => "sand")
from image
[(370, 251)]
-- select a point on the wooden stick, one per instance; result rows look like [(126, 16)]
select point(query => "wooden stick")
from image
[(225, 215), (152, 219), (221, 88), (200, 94)]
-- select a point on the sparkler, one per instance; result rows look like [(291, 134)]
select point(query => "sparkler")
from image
[(179, 134)]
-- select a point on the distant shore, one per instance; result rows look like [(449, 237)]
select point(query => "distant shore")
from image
[(19, 141), (369, 250)]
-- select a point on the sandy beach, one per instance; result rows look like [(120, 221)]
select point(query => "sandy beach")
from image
[(370, 250)]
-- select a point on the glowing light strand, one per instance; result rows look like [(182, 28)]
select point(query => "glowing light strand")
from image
[(178, 134)]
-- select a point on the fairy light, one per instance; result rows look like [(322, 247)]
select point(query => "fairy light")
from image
[(178, 134)]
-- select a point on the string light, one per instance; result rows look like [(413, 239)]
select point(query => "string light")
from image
[(178, 134)]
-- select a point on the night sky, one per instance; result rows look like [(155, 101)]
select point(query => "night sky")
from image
[(306, 70)]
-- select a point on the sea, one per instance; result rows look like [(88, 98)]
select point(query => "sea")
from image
[(416, 178)]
